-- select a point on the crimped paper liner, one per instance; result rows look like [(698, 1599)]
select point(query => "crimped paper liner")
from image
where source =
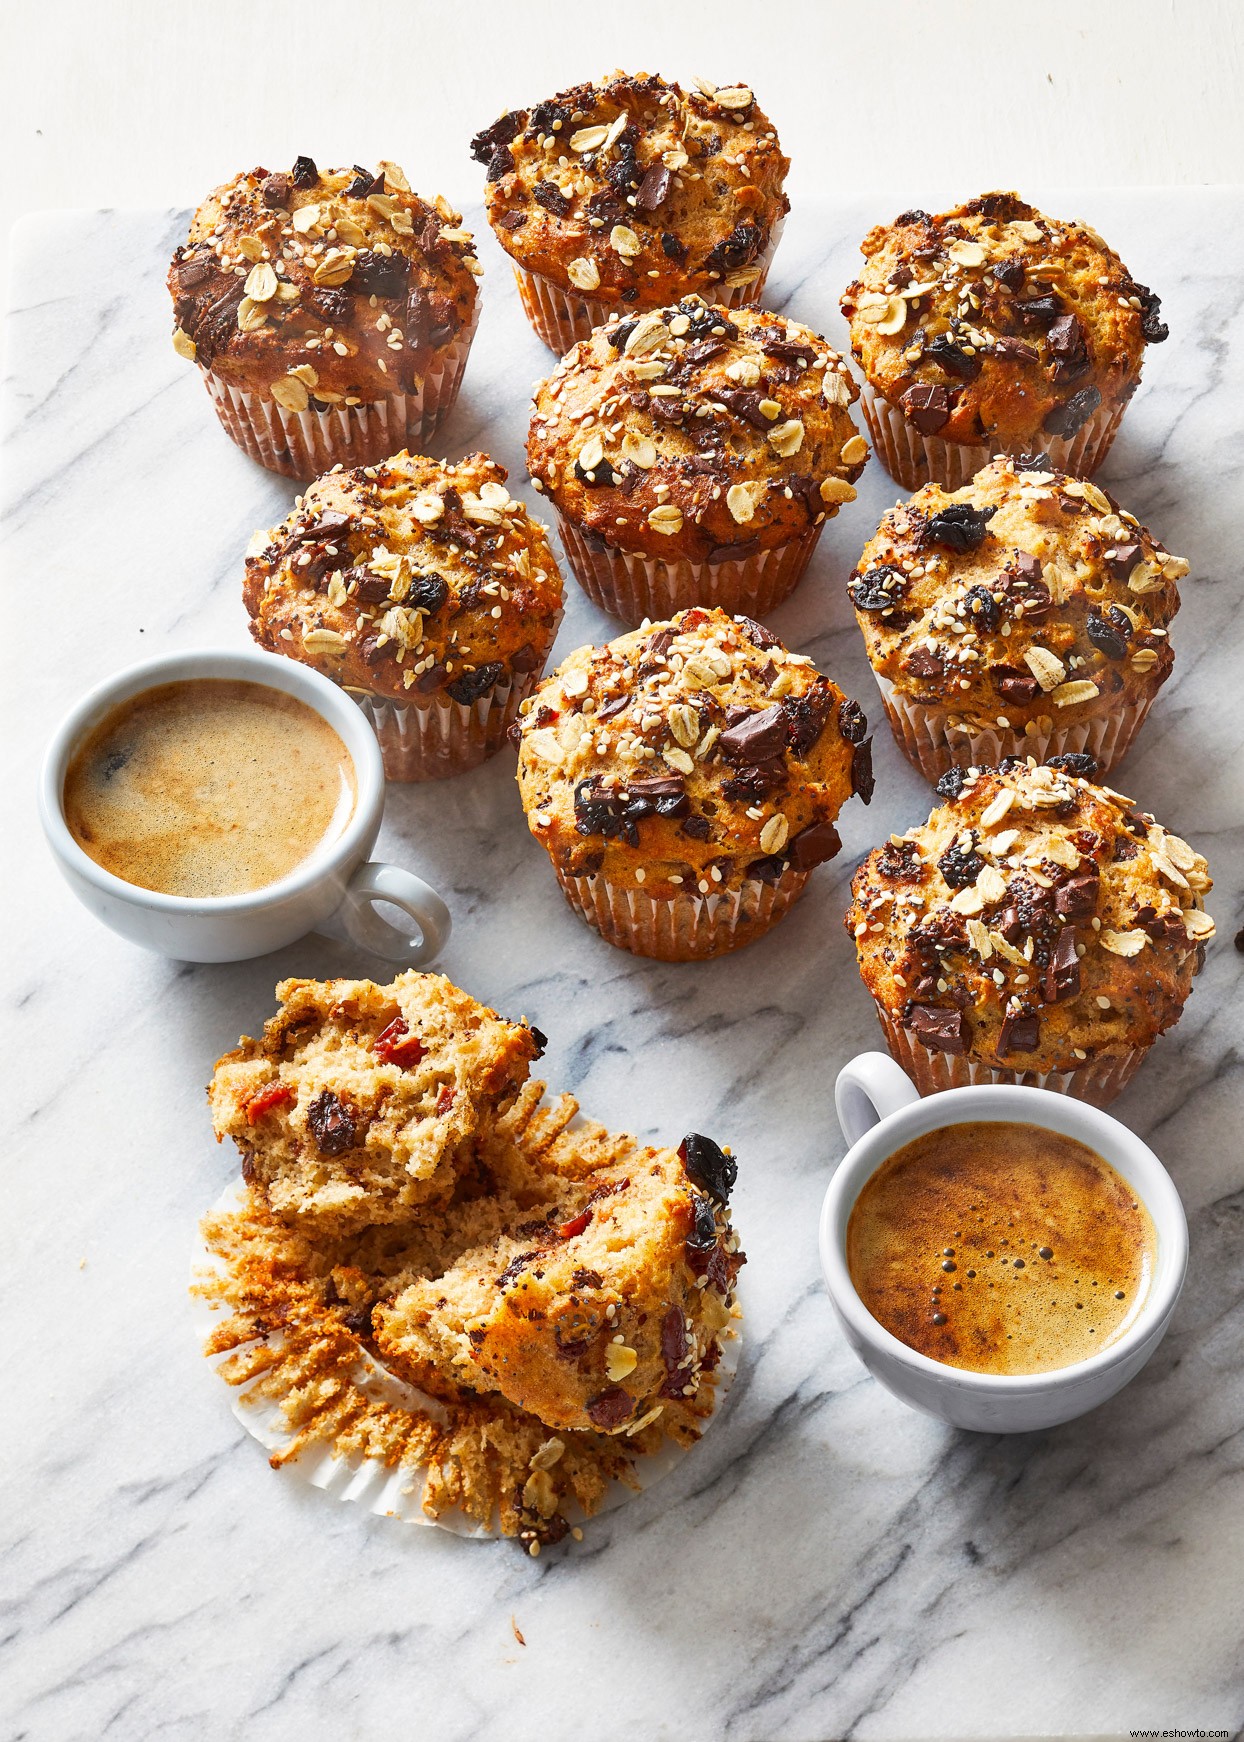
[(303, 444), (1097, 1081), (633, 587), (913, 459), (396, 1491), (688, 928), (442, 737), (561, 317), (931, 741)]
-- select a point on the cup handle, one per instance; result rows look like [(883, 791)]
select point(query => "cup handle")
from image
[(356, 920), (868, 1089)]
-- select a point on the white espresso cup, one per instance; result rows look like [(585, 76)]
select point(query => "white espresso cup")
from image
[(880, 1111), (333, 891)]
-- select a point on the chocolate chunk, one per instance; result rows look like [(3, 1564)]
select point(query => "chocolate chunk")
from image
[(502, 131), (1062, 974), (1109, 631), (500, 163), (304, 173), (658, 644), (600, 811), (653, 190), (431, 679), (1077, 897), (1064, 420), (1020, 1033), (942, 1030), (1015, 349), (745, 402), (708, 1166), (1121, 559), (697, 828), (1038, 311), (756, 738), (958, 526), (511, 220), (671, 247), (1081, 762), (368, 588), (1009, 924), (862, 778), (770, 869), (663, 795), (364, 183), (852, 721), (961, 866), (926, 407), (1065, 339), (674, 1352), (926, 662), (551, 197), (756, 633), (610, 1407), (877, 589), (1015, 686), (726, 553), (815, 845), (469, 686), (328, 523), (332, 1124), (275, 191)]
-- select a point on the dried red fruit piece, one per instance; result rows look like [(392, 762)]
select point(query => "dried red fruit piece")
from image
[(444, 1101), (396, 1045), (576, 1225), (275, 1095)]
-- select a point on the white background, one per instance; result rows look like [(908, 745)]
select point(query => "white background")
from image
[(153, 102)]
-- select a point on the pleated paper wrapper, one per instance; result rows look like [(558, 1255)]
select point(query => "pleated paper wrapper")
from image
[(689, 927), (395, 1491), (439, 737)]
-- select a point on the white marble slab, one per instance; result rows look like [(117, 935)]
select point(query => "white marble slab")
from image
[(828, 1564)]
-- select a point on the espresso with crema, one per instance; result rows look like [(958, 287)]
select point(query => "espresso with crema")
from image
[(1001, 1248), (209, 787)]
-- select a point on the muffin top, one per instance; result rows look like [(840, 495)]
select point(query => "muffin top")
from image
[(697, 431), (995, 323), (1026, 597), (690, 756), (1035, 922), (408, 579), (325, 289), (634, 191)]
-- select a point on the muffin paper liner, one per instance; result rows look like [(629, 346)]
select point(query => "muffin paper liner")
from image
[(440, 737), (633, 587), (913, 459), (561, 317), (1097, 1081), (303, 444), (687, 928), (932, 743), (396, 1491)]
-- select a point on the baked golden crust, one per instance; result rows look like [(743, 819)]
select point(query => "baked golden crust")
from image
[(634, 191), (410, 579), (320, 289), (1029, 597), (693, 755), (697, 431), (354, 1106), (994, 323), (1036, 922)]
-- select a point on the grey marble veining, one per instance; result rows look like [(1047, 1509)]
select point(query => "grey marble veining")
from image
[(827, 1564)]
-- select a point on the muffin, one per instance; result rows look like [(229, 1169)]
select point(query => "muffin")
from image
[(684, 781), (521, 1340), (994, 329), (1026, 613), (330, 314), (591, 1313), (1037, 929), (355, 1105), (693, 456), (425, 590), (625, 196)]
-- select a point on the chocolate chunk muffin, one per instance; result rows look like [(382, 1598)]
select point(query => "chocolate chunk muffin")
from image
[(693, 455), (330, 314), (472, 1287), (994, 329), (1038, 928), (354, 1106), (426, 590), (684, 781), (1026, 613), (628, 194)]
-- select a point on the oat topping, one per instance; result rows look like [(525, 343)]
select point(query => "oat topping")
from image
[(331, 288), (635, 190), (1029, 595), (1035, 922), (995, 322), (728, 431)]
